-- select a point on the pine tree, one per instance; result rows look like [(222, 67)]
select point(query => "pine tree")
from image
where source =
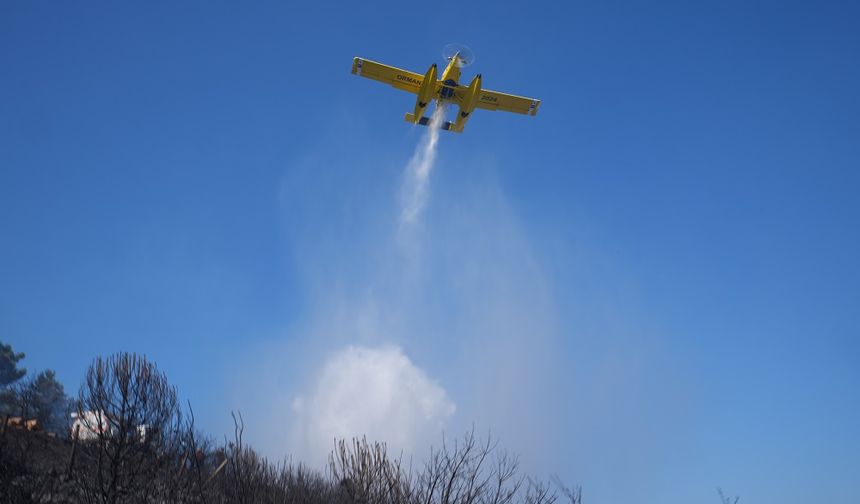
[(9, 372)]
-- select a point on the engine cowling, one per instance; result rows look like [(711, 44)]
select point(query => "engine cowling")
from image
[(470, 101), (425, 93)]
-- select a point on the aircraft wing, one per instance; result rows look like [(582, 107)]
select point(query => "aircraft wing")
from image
[(396, 77), (494, 100)]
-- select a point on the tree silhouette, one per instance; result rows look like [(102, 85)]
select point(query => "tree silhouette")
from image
[(131, 409), (47, 402), (9, 372)]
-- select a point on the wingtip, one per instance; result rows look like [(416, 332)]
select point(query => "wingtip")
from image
[(356, 65)]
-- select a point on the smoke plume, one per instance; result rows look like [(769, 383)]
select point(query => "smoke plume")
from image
[(374, 392)]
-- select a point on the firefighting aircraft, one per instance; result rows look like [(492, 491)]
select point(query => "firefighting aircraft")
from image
[(445, 90)]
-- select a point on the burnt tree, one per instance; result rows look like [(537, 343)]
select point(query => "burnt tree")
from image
[(132, 431)]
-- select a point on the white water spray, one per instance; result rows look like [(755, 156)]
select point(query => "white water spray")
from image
[(414, 190)]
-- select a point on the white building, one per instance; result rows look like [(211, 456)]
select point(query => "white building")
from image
[(88, 425)]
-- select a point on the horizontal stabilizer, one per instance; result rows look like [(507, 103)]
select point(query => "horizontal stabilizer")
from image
[(425, 121)]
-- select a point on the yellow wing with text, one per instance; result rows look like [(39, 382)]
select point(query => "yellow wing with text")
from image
[(493, 100), (393, 76)]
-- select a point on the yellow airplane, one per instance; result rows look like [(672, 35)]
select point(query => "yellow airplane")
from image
[(444, 90)]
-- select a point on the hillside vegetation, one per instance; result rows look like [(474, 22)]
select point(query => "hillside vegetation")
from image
[(133, 442)]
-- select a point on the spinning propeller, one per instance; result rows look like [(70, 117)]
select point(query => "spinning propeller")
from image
[(467, 56)]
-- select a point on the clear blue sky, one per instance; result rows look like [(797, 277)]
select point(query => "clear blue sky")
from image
[(689, 189)]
